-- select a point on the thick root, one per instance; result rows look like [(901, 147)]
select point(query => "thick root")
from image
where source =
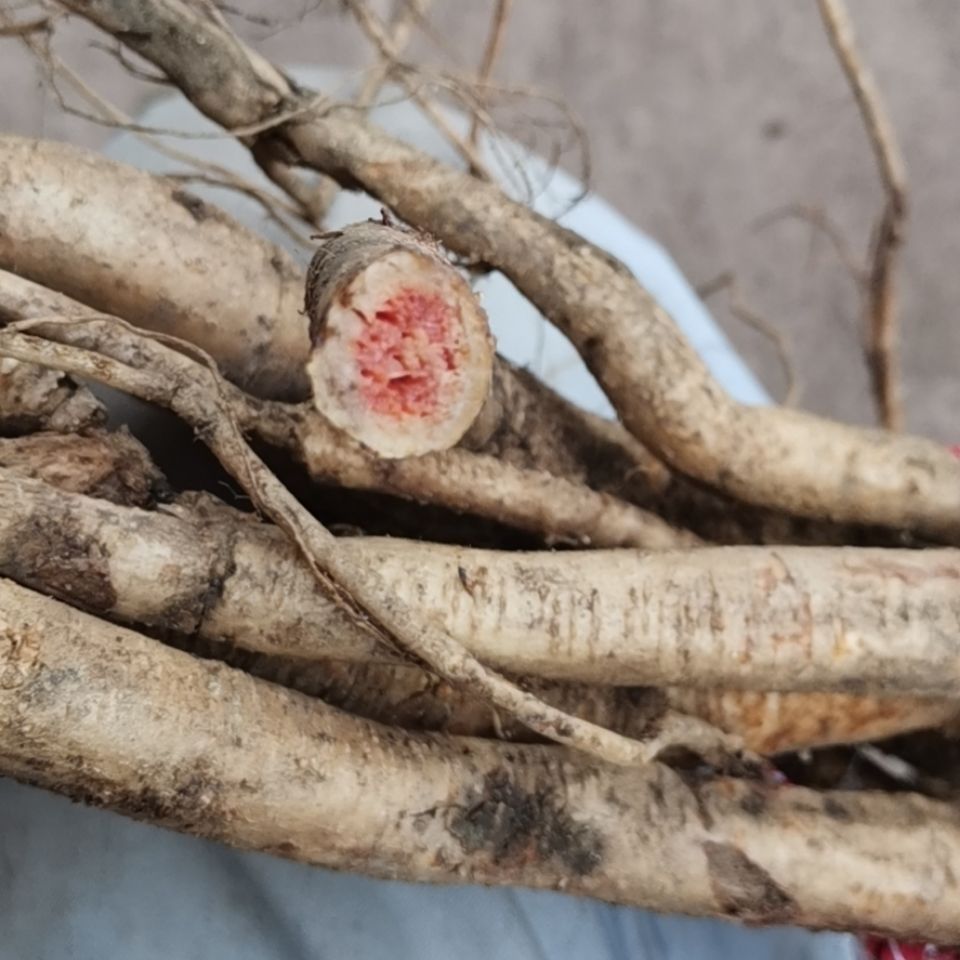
[(111, 718), (872, 621)]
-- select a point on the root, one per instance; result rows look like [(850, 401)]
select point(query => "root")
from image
[(402, 354), (767, 723), (629, 681), (866, 621), (771, 457), (250, 300), (561, 511), (184, 264), (266, 617), (99, 713), (194, 392)]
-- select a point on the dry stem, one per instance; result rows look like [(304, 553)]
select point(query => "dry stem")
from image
[(881, 295), (820, 220), (501, 12), (405, 16), (376, 30), (728, 281)]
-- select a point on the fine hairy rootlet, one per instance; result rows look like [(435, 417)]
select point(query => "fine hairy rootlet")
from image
[(332, 539)]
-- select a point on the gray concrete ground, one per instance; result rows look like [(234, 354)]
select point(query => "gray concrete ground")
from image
[(704, 116)]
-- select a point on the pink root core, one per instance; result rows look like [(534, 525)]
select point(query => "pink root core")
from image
[(403, 352)]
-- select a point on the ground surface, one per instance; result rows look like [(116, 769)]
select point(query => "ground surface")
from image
[(705, 116)]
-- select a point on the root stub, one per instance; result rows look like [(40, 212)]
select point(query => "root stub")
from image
[(401, 358)]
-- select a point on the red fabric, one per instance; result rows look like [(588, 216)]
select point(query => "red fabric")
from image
[(880, 948)]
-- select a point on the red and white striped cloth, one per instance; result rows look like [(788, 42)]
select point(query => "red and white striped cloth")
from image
[(881, 948)]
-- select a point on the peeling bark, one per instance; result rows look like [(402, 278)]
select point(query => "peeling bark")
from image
[(107, 466), (34, 398)]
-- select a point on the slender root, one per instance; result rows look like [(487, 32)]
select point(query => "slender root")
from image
[(501, 13), (195, 393), (882, 359)]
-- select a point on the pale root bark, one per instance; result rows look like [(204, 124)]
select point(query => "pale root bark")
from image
[(109, 717), (780, 722), (215, 575), (562, 511), (195, 392), (663, 392), (768, 723), (741, 617), (442, 349), (524, 423), (532, 500), (108, 466), (34, 398), (229, 291), (121, 240)]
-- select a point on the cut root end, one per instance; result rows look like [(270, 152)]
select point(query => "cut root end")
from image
[(402, 357)]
